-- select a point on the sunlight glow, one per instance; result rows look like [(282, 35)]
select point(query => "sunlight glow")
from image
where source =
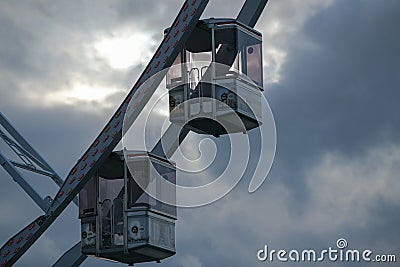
[(81, 92), (85, 92), (123, 52)]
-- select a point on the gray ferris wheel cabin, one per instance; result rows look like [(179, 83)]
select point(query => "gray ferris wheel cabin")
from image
[(216, 82), (121, 217)]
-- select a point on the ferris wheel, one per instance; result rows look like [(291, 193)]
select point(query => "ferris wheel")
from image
[(213, 71)]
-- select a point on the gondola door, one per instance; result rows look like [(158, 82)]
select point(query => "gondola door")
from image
[(111, 195)]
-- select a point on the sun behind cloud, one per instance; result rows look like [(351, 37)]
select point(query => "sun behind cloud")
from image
[(123, 51)]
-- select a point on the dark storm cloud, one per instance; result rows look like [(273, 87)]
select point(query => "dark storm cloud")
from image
[(340, 85)]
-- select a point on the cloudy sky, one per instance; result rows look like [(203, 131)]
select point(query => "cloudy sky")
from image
[(331, 72)]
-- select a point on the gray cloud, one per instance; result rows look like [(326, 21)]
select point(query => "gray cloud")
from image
[(339, 90)]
